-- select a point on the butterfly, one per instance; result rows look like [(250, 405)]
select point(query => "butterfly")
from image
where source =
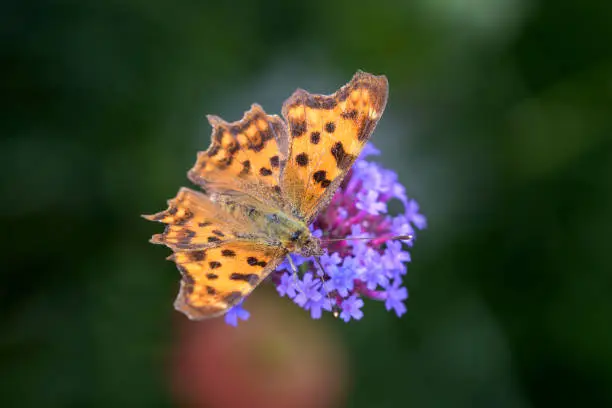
[(264, 180)]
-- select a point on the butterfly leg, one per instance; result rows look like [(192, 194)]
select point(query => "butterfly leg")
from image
[(294, 269), (334, 305)]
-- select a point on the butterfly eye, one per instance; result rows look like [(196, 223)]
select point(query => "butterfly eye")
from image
[(296, 235)]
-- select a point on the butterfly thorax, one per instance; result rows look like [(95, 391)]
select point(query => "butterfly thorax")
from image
[(281, 229), (292, 234)]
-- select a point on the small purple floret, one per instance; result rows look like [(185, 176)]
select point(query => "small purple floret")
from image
[(286, 286), (351, 308), (235, 313), (395, 297)]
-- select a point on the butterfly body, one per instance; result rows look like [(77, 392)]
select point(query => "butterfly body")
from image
[(278, 228), (265, 180)]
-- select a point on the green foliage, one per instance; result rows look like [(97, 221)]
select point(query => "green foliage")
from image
[(498, 122)]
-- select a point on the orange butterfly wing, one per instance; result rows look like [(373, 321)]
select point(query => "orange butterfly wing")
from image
[(221, 259), (244, 156), (194, 221), (215, 279), (327, 133)]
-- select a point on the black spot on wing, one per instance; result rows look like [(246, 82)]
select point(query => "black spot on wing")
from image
[(274, 161), (197, 256), (228, 253), (351, 114), (319, 176), (251, 278), (315, 137), (298, 128), (251, 260), (225, 162), (301, 159), (233, 148), (343, 159), (185, 235), (258, 145), (246, 168), (187, 215)]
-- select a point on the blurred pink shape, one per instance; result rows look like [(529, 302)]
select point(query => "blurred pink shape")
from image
[(279, 358)]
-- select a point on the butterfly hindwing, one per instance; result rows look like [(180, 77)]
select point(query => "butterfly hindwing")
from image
[(326, 134), (215, 279), (221, 256)]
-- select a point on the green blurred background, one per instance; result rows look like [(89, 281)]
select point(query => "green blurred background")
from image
[(499, 123)]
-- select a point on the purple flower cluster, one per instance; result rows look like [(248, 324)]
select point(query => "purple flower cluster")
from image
[(354, 268)]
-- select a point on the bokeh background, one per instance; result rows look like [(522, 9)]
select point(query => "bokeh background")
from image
[(499, 123)]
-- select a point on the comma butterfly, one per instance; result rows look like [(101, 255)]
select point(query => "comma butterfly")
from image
[(265, 180)]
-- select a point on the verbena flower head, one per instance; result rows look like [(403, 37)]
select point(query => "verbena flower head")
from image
[(354, 269)]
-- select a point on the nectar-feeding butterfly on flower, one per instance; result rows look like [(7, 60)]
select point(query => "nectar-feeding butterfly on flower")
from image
[(265, 180)]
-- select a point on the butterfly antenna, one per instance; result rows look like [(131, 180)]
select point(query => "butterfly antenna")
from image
[(395, 238), (334, 305)]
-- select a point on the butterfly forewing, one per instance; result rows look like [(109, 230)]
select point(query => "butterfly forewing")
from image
[(326, 134)]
